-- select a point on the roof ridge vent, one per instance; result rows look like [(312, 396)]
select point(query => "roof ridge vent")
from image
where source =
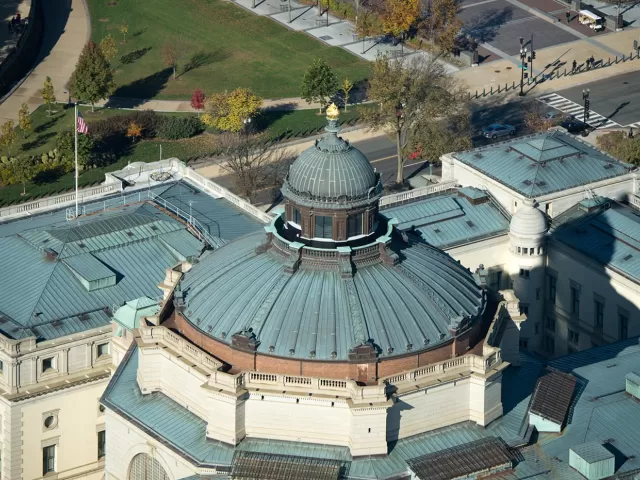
[(478, 155)]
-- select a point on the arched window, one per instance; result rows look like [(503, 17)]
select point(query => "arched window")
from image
[(143, 467)]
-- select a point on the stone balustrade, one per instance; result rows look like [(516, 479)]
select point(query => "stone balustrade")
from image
[(163, 335), (416, 193)]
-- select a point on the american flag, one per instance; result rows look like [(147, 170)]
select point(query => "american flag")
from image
[(82, 125)]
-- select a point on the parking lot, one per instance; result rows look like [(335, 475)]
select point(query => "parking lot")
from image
[(497, 25)]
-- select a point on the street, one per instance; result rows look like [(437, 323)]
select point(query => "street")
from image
[(623, 108)]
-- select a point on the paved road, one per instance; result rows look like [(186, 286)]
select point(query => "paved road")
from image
[(616, 98)]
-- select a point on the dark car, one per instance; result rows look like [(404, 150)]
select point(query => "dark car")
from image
[(576, 127), (496, 130)]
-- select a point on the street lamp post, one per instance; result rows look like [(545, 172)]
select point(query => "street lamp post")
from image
[(585, 97), (247, 124), (523, 65)]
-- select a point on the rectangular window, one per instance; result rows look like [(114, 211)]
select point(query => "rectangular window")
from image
[(519, 250), (48, 459), (1, 367), (525, 250), (623, 325), (549, 344), (102, 442), (354, 225), (575, 300), (551, 324), (295, 217), (552, 288), (574, 336), (598, 308), (324, 227), (524, 273), (102, 349), (48, 364)]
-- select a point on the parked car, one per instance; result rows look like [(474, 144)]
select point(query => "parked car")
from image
[(574, 126), (496, 130), (553, 116)]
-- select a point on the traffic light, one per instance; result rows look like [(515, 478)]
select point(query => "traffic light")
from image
[(533, 54), (586, 104), (528, 59), (635, 44), (526, 75)]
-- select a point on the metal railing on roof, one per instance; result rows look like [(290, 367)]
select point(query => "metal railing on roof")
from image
[(197, 228), (495, 202)]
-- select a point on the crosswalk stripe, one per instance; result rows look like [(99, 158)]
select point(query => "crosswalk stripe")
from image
[(577, 111)]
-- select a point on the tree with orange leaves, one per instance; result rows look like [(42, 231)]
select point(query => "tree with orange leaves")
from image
[(399, 16)]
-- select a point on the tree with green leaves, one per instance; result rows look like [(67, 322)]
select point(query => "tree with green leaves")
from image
[(8, 135), (23, 169), (418, 99), (319, 83), (109, 48), (24, 119), (48, 94), (65, 146), (92, 79)]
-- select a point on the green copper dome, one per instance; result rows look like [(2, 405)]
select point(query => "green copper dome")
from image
[(331, 170)]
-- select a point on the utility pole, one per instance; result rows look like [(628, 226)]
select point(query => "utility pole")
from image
[(585, 97), (523, 66)]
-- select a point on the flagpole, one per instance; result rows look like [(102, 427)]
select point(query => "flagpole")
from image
[(75, 132)]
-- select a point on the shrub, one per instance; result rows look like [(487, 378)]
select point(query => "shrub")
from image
[(176, 128), (149, 121)]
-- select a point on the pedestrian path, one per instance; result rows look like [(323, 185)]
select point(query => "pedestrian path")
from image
[(331, 30), (576, 111)]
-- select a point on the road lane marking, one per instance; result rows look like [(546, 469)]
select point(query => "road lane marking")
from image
[(572, 108)]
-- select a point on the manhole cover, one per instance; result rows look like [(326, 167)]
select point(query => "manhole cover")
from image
[(508, 68), (326, 38), (497, 71)]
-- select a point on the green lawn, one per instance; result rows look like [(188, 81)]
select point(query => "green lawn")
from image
[(230, 47), (275, 125)]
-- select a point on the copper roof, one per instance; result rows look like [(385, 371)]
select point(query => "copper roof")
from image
[(486, 454), (552, 396)]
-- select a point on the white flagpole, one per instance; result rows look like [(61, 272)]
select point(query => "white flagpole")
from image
[(75, 131)]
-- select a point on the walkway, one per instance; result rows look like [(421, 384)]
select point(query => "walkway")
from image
[(67, 29), (331, 30), (295, 103)]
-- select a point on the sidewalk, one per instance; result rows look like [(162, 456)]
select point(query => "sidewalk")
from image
[(295, 103), (66, 32), (506, 71), (331, 30)]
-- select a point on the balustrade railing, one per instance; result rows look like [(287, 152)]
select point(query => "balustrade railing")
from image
[(416, 193)]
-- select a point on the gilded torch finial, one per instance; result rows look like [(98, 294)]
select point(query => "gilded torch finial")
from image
[(333, 112)]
